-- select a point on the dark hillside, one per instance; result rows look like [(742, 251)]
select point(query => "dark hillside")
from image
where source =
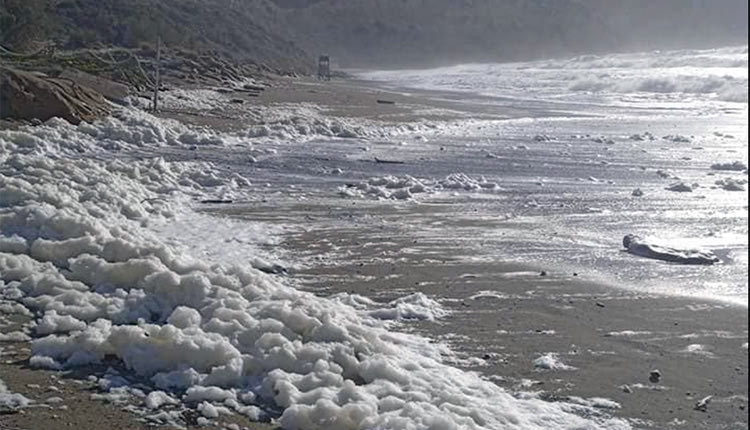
[(226, 27), (22, 22)]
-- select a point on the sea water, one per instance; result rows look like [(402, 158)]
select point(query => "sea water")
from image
[(601, 127)]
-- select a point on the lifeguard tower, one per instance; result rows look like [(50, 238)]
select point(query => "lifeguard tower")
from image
[(324, 68)]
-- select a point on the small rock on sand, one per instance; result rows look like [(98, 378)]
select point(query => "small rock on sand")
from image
[(730, 184), (654, 376), (736, 166), (680, 187)]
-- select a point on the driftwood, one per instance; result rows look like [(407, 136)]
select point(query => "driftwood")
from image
[(252, 87), (381, 161), (245, 91)]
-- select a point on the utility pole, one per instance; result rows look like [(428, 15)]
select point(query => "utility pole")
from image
[(158, 76)]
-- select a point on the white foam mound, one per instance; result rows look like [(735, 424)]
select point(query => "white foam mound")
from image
[(11, 400), (51, 322), (14, 336), (214, 337), (192, 99), (460, 181), (407, 187), (698, 349), (595, 402), (300, 121), (282, 122), (550, 361), (415, 306)]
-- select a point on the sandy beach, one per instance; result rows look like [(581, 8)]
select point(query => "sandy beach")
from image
[(534, 330), (503, 316), (388, 215), (358, 99)]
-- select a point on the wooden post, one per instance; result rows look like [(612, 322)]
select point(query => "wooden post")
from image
[(158, 76)]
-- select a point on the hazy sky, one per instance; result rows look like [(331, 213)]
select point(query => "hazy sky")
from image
[(367, 32)]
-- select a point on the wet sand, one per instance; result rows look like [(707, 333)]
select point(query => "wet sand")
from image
[(505, 315), (613, 338), (349, 98)]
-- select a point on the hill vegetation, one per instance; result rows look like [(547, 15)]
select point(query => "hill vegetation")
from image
[(227, 27)]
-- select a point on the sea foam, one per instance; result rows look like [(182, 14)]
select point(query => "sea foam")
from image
[(221, 338)]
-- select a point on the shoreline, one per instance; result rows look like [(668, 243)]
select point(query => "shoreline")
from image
[(586, 325), (502, 316), (591, 317), (352, 98), (557, 313)]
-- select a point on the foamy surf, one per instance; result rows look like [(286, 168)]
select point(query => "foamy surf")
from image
[(78, 251), (633, 78)]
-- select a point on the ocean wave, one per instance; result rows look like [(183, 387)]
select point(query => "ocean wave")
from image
[(731, 57), (719, 74), (724, 88)]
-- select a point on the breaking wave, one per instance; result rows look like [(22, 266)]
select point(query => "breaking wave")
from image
[(686, 75), (725, 88), (731, 57)]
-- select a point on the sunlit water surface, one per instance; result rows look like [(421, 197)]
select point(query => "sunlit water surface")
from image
[(596, 129)]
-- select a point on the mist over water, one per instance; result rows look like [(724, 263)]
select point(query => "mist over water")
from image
[(429, 33)]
